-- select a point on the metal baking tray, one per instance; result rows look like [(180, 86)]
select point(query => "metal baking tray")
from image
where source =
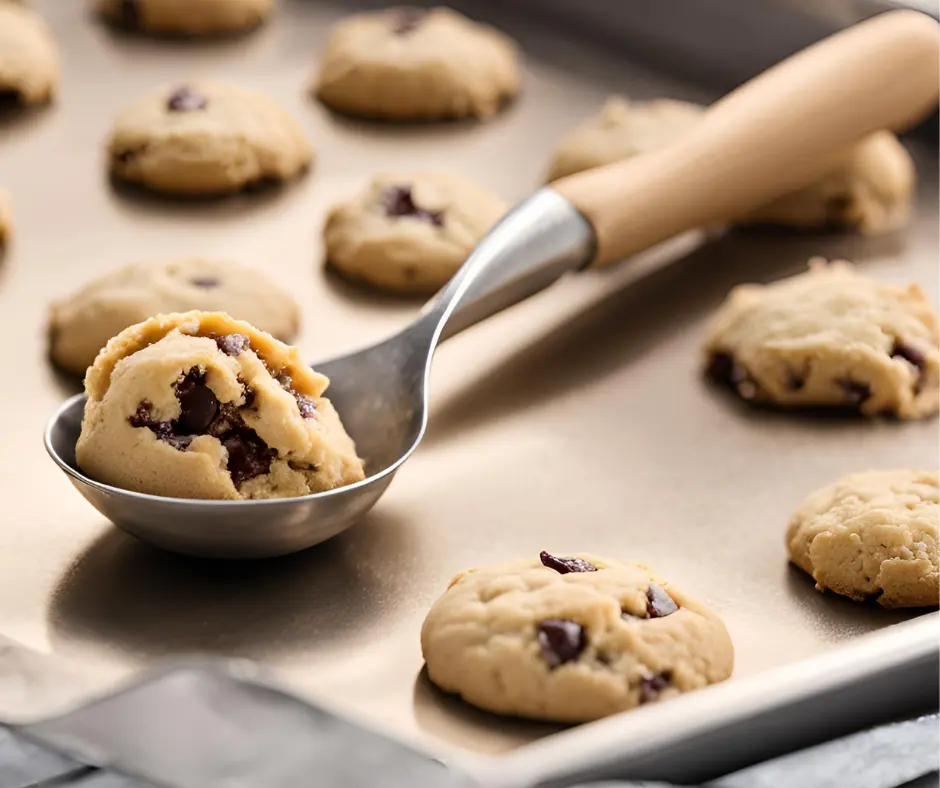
[(574, 421)]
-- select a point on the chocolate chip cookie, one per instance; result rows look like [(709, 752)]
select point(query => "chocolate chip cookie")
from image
[(29, 61), (409, 232), (570, 638), (829, 337), (186, 17), (413, 64), (206, 138), (872, 536), (80, 325), (199, 405)]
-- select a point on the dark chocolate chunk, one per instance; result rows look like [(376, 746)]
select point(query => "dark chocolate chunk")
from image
[(908, 353), (207, 283), (248, 455), (795, 382), (560, 641), (565, 565), (164, 430), (399, 201), (306, 406), (185, 99), (232, 344), (723, 368), (651, 687), (855, 392), (658, 603), (406, 19), (127, 155), (11, 99), (198, 405)]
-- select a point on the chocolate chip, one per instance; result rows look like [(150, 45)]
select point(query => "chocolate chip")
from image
[(855, 392), (560, 641), (164, 430), (130, 12), (723, 368), (795, 382), (248, 455), (399, 201), (127, 155), (232, 344), (837, 210), (306, 406), (658, 603), (406, 19), (651, 686), (185, 99), (207, 283), (11, 99), (198, 405), (565, 565), (908, 353)]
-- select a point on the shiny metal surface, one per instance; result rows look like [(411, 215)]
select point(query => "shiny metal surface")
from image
[(574, 421), (381, 393)]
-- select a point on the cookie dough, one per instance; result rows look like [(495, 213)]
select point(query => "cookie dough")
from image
[(206, 138), (621, 130), (199, 405), (829, 337), (869, 191), (29, 62), (872, 536), (410, 64), (186, 17), (570, 638), (79, 326), (409, 232)]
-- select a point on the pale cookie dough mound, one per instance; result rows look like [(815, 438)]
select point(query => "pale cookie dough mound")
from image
[(570, 639), (871, 191), (410, 64), (29, 62), (829, 337), (872, 536), (621, 130), (198, 405), (206, 139), (186, 17), (79, 326), (409, 233)]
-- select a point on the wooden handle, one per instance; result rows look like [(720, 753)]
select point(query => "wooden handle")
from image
[(771, 136)]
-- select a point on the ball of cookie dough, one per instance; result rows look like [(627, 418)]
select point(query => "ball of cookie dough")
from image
[(570, 638), (186, 17), (206, 138), (872, 536), (79, 326), (413, 64), (199, 405), (829, 337), (409, 232), (29, 62)]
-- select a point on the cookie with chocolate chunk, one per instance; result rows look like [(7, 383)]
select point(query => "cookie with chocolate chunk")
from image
[(829, 337), (570, 638), (199, 405)]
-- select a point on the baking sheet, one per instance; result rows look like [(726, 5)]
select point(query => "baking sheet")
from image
[(575, 421)]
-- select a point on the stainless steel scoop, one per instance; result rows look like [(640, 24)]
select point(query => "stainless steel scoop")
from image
[(770, 137)]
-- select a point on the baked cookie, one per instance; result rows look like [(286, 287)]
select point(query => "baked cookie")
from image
[(29, 62), (409, 232), (198, 405), (829, 337), (206, 138), (570, 639), (621, 130), (872, 536), (79, 326), (186, 17), (414, 64), (871, 191)]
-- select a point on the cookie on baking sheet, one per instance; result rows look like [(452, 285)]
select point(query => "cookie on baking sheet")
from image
[(199, 405), (407, 63), (622, 129), (186, 17), (29, 61), (409, 232), (206, 138), (829, 337), (871, 536), (570, 639), (82, 324), (871, 191)]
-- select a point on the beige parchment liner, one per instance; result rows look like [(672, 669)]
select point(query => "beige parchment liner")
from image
[(576, 421)]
